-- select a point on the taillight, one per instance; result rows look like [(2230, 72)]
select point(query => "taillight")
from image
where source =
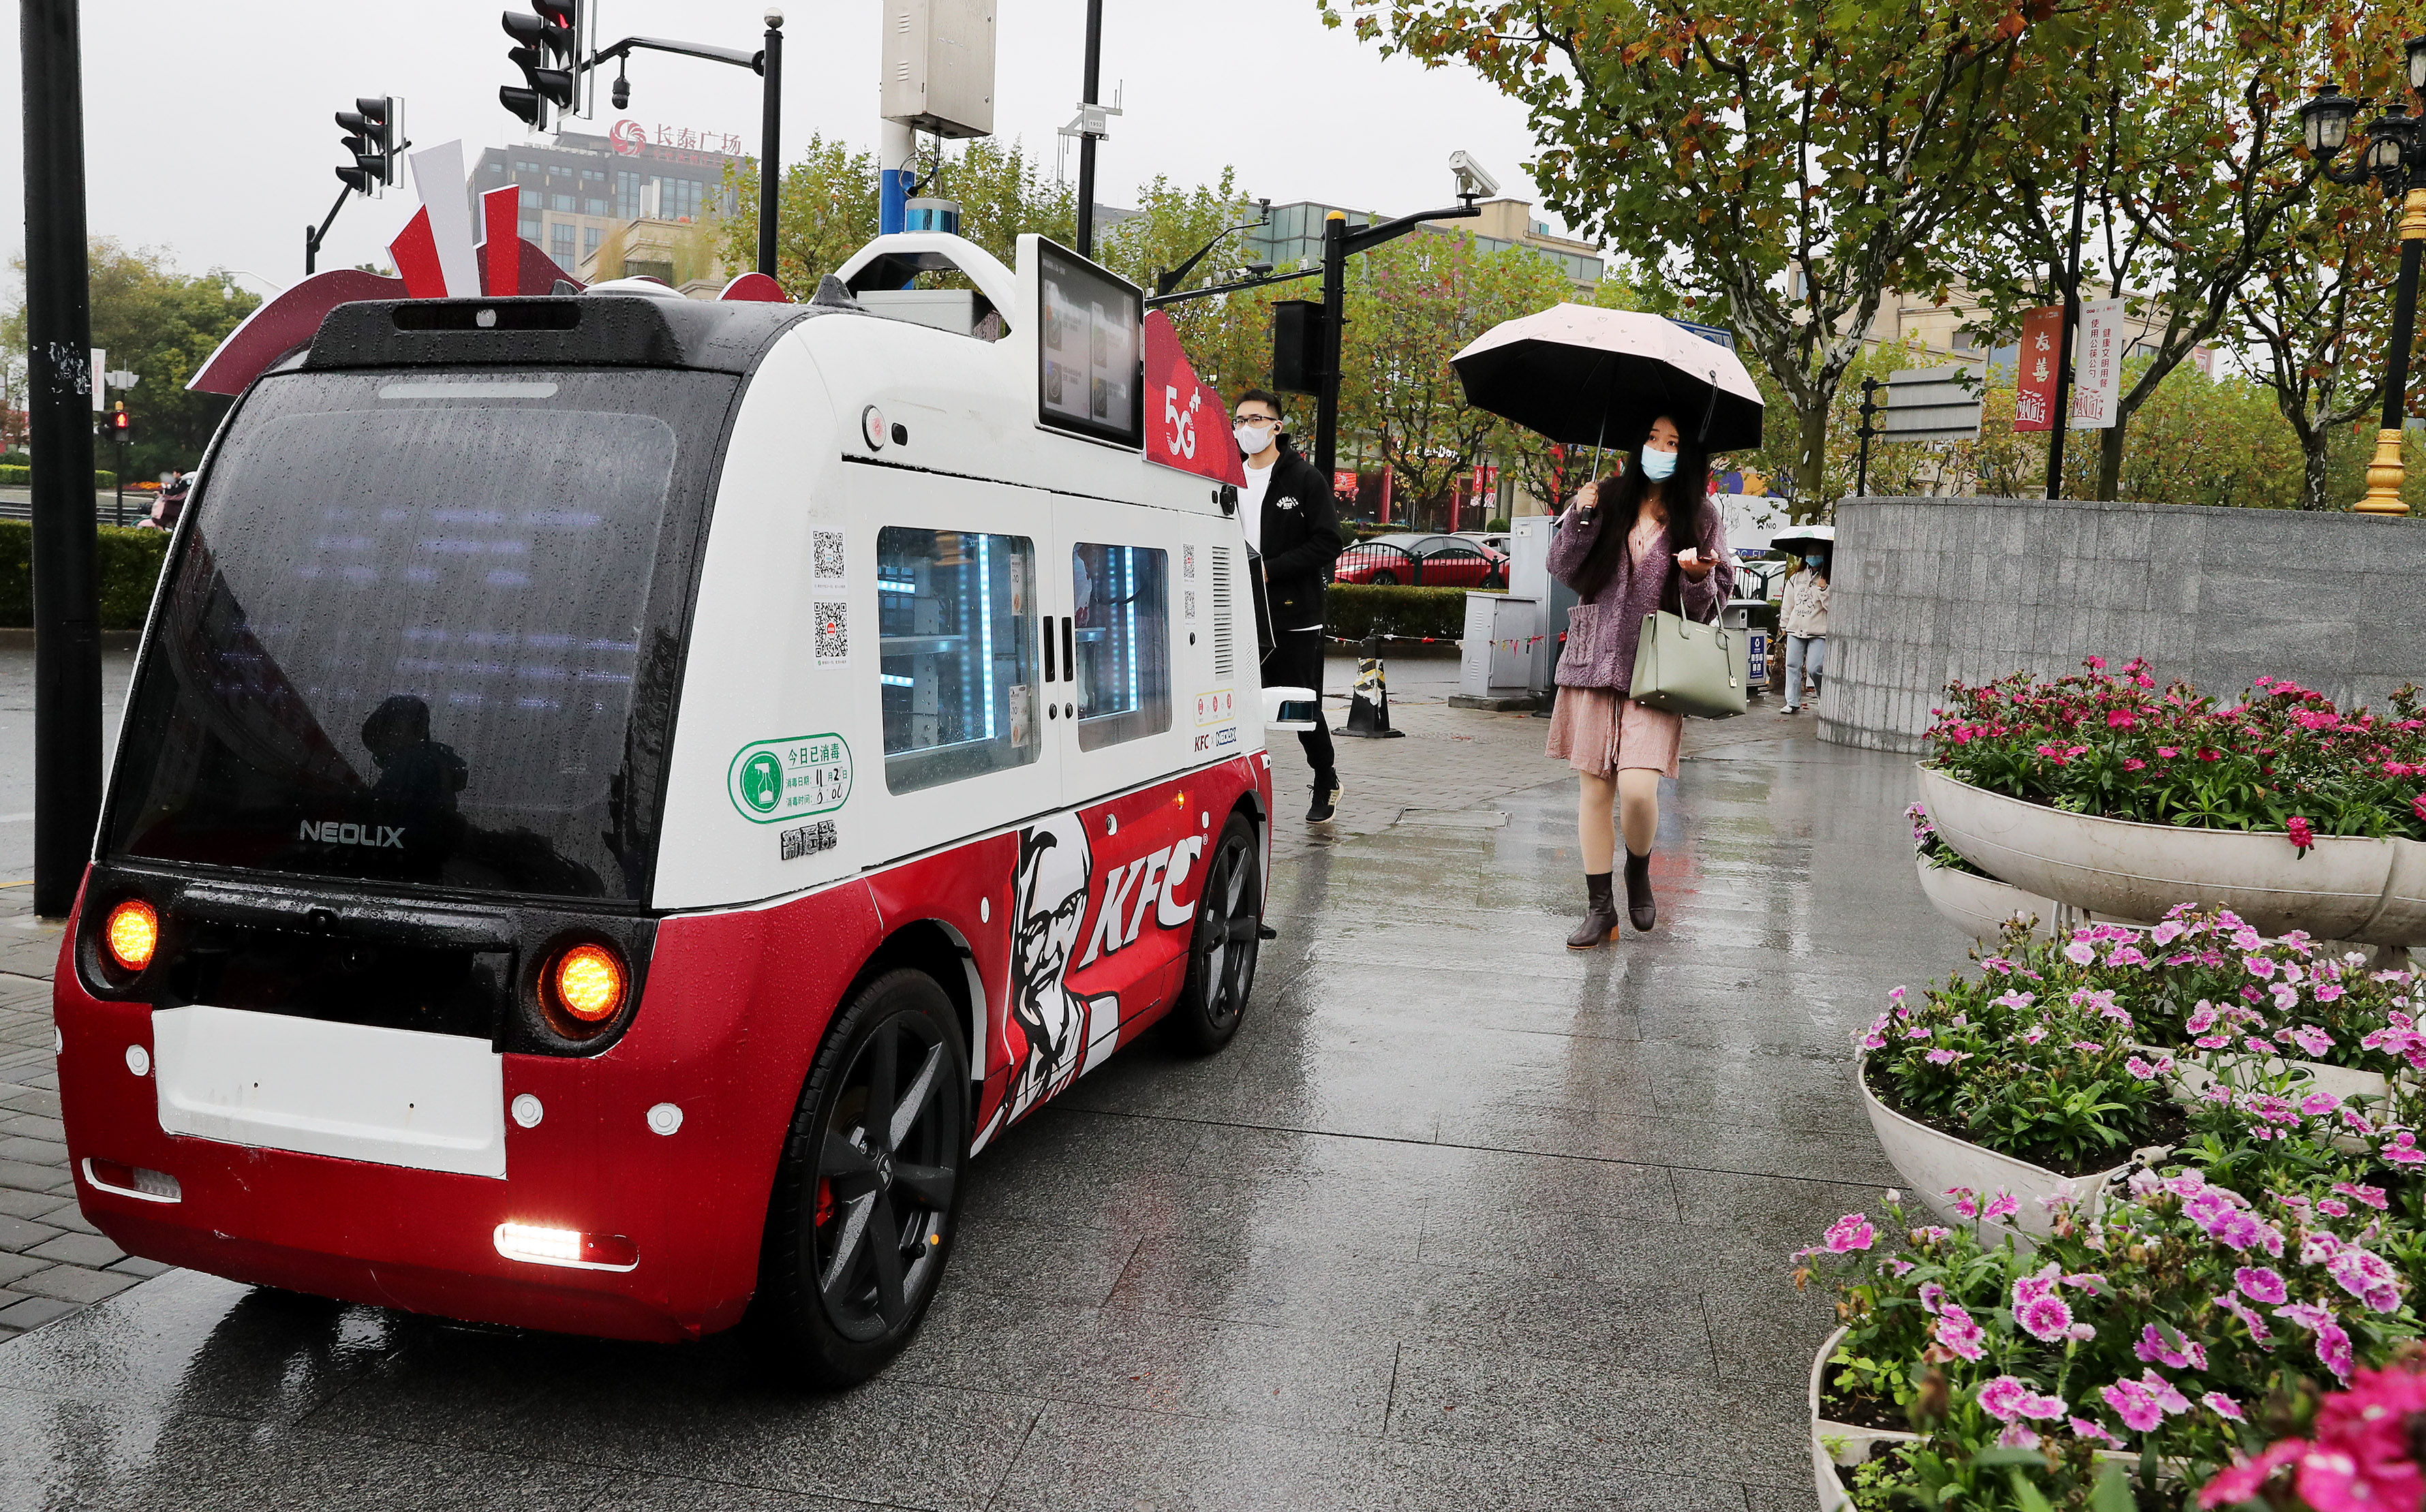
[(131, 934), (584, 986), (568, 1248)]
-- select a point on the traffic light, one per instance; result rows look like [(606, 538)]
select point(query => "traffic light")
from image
[(546, 47), (1297, 345), (122, 424), (371, 130)]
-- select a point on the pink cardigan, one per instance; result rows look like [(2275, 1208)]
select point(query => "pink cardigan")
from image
[(1604, 630)]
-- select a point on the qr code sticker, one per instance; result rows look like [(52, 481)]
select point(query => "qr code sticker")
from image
[(808, 839), (826, 556), (1188, 562), (1188, 600), (833, 630)]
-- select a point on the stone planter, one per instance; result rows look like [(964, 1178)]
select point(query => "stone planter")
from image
[(1931, 1162), (2372, 891), (1853, 1444), (1979, 906)]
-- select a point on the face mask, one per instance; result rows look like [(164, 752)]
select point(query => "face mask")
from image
[(1253, 439), (1658, 464), (1812, 561)]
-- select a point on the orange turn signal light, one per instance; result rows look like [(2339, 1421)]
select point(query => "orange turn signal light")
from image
[(589, 983), (131, 934)]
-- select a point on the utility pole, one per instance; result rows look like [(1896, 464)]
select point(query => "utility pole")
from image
[(1090, 85), (2058, 421), (58, 328), (770, 117)]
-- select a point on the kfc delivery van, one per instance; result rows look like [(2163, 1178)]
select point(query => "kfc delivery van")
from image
[(621, 797)]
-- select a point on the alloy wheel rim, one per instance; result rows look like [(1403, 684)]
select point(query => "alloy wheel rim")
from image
[(885, 1180), (1230, 934)]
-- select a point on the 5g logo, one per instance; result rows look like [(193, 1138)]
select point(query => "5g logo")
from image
[(1182, 422)]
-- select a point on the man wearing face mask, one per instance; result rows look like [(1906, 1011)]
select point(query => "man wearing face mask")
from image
[(1802, 618), (1289, 518)]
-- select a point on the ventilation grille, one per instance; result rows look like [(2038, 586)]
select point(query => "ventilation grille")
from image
[(1224, 665)]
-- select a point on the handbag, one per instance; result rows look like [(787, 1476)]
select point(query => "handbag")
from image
[(1684, 666)]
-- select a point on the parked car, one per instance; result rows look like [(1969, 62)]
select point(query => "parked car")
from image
[(1429, 561), (1497, 540)]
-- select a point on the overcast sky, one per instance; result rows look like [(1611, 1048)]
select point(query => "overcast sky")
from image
[(207, 128)]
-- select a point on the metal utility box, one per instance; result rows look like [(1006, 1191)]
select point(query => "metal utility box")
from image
[(1529, 577), (1751, 640), (1497, 661), (938, 66)]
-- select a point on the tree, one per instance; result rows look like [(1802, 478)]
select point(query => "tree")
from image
[(829, 206), (1227, 337), (162, 326), (2174, 151), (2318, 316), (1784, 161), (1411, 304)]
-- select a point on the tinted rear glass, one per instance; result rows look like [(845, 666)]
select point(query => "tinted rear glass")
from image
[(425, 628)]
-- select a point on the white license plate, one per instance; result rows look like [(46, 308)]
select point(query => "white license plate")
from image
[(391, 1097)]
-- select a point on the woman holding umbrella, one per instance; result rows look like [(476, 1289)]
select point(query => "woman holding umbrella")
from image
[(1630, 545)]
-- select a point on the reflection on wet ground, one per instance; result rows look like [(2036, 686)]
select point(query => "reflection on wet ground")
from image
[(1460, 1219)]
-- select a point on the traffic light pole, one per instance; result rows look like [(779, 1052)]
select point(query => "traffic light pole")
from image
[(769, 64), (312, 239), (58, 321), (1338, 244), (1088, 86)]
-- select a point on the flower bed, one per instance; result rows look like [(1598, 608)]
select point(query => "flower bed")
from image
[(2121, 1343), (2101, 792)]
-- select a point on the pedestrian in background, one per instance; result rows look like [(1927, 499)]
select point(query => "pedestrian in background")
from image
[(1290, 519), (172, 502), (1630, 545), (1802, 618)]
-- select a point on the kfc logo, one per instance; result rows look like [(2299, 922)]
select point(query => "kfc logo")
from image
[(629, 138)]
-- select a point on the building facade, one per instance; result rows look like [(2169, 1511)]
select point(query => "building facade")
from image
[(580, 188)]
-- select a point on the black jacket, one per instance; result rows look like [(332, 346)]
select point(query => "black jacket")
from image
[(1300, 540)]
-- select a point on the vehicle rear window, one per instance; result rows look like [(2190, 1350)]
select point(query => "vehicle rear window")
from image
[(426, 629)]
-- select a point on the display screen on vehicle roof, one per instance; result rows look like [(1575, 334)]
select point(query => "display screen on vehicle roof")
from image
[(425, 628), (1089, 347)]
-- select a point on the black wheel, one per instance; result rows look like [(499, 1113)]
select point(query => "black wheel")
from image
[(1386, 579), (868, 1193), (1221, 951)]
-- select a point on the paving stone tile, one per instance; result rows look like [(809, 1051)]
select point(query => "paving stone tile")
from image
[(1441, 1478), (85, 1249), (137, 1265), (34, 1151), (74, 1284), (22, 1234), (13, 1266), (1087, 1458), (678, 1493), (33, 1311), (25, 1176)]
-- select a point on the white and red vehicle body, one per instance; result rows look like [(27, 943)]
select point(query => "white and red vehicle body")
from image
[(338, 1076)]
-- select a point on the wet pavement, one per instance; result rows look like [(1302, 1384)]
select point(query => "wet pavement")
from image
[(1460, 1219)]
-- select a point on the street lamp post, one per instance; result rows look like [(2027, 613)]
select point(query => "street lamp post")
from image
[(2395, 157)]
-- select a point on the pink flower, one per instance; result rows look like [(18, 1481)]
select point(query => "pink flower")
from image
[(1850, 1233), (2302, 836), (2135, 1405), (2243, 1480), (2334, 1350), (2080, 952), (2184, 1354), (2139, 1068), (2002, 1398), (1942, 1057), (2046, 1318), (2224, 1406), (2121, 719), (2261, 1284), (2372, 1195), (2084, 1428), (2017, 1437), (2311, 1039), (2168, 753), (1931, 1296), (2255, 1324), (1958, 1332), (1918, 1031), (1966, 1201), (2417, 805), (2016, 1000), (2366, 1275), (2261, 967), (2004, 1206)]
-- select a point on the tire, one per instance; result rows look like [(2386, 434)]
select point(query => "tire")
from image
[(1387, 580), (1221, 949), (830, 1309)]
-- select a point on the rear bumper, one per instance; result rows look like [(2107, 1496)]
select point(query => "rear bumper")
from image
[(693, 1202)]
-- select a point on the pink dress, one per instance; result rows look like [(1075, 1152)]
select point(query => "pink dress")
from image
[(1600, 730)]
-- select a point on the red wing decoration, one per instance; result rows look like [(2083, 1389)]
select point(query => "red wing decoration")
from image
[(415, 252), (1187, 427), (501, 264), (757, 286), (283, 323)]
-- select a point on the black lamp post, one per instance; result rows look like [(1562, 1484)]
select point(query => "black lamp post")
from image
[(2395, 157)]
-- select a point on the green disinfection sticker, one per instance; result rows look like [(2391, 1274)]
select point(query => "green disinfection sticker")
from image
[(776, 779)]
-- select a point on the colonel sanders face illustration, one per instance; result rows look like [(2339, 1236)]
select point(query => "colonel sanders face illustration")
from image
[(1049, 896)]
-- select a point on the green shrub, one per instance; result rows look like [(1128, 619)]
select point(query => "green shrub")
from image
[(128, 564), (1355, 610), (22, 477)]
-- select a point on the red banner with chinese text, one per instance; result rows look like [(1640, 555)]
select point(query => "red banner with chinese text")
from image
[(2034, 377)]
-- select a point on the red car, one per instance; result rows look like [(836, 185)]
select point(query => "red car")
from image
[(1431, 561)]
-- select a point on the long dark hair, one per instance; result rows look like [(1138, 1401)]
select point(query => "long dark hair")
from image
[(1619, 500)]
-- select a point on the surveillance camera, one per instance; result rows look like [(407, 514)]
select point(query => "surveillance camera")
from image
[(1471, 180), (622, 93)]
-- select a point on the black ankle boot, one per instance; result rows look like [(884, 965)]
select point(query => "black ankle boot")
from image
[(1638, 890), (1600, 914)]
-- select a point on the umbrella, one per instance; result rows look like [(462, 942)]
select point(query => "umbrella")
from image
[(1588, 377), (1794, 542)]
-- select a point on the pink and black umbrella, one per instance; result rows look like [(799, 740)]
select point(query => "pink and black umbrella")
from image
[(1588, 376)]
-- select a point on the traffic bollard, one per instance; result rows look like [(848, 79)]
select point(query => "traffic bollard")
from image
[(1369, 711)]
